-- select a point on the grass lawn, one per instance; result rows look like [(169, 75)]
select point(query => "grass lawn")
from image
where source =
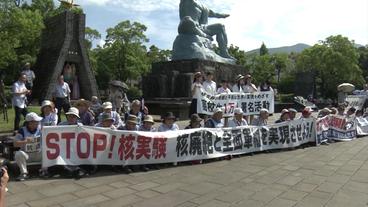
[(8, 126)]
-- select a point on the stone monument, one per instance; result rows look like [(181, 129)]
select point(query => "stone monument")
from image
[(168, 87), (63, 51)]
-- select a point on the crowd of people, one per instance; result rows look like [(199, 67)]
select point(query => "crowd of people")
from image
[(93, 113)]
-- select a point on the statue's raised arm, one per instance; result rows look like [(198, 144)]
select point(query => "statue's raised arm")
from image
[(194, 21)]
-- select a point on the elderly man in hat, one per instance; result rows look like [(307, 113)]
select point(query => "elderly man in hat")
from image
[(107, 108), (168, 123), (216, 121), (48, 114), (195, 122), (86, 117), (292, 113), (238, 119), (238, 86), (72, 117), (262, 119), (136, 111), (107, 121), (131, 124), (285, 114), (147, 125), (28, 140)]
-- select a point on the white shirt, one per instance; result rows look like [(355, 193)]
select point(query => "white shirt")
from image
[(198, 87), (62, 91), (19, 100), (237, 89), (249, 88), (165, 128), (50, 120), (236, 123), (210, 87), (223, 90)]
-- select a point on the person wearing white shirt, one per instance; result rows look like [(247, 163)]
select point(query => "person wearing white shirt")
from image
[(238, 119), (196, 90), (209, 85), (249, 87), (224, 88), (238, 87), (20, 91), (62, 96), (48, 114)]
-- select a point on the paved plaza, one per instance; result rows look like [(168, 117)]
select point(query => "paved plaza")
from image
[(334, 175)]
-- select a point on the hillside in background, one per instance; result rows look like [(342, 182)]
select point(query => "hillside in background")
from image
[(285, 49)]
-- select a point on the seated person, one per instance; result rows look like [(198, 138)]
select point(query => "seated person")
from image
[(216, 120), (131, 124), (86, 117), (136, 111), (284, 116), (195, 122), (292, 113), (168, 123), (28, 140), (107, 121), (72, 117), (107, 108), (238, 119), (147, 125), (262, 119), (48, 114)]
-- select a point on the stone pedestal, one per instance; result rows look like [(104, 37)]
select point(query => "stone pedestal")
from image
[(169, 83)]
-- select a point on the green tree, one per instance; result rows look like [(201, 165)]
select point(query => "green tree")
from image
[(333, 61), (91, 35), (127, 55), (363, 60), (157, 55), (263, 50)]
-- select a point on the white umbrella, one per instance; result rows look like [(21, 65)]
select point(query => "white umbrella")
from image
[(346, 87)]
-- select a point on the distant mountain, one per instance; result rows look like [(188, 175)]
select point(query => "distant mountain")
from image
[(298, 48)]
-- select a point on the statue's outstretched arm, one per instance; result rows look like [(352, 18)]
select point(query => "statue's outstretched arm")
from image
[(217, 15)]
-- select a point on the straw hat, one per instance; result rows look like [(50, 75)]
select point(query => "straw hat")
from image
[(284, 111), (107, 105), (107, 117), (73, 111), (239, 77), (46, 103), (149, 119), (263, 110), (132, 119)]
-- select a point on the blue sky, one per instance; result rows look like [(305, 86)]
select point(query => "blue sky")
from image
[(276, 23)]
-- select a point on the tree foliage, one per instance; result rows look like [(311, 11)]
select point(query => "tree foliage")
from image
[(263, 50)]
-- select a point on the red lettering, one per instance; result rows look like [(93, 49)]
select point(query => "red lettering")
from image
[(53, 146), (68, 137), (85, 136), (143, 147), (99, 138), (126, 149)]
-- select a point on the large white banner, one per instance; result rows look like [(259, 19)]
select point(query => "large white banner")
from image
[(251, 103), (362, 126), (356, 101), (336, 128), (78, 145)]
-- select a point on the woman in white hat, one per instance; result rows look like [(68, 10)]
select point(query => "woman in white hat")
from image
[(147, 125), (48, 114), (28, 140), (72, 117), (238, 87)]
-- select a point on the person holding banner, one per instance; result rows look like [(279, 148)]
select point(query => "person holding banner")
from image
[(28, 140), (216, 120), (195, 122), (86, 117), (147, 125), (107, 108), (196, 89), (168, 123), (307, 112), (72, 117), (48, 114), (224, 88), (262, 119), (107, 121), (292, 113), (249, 86), (284, 116), (209, 85), (238, 87), (238, 119)]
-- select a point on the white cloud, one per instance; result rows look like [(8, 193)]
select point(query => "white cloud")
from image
[(277, 23)]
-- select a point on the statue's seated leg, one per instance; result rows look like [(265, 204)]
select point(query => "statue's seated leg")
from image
[(189, 26), (221, 37)]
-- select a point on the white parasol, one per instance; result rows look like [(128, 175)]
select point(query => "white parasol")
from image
[(346, 87)]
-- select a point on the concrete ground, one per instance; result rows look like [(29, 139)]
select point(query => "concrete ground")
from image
[(333, 176)]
